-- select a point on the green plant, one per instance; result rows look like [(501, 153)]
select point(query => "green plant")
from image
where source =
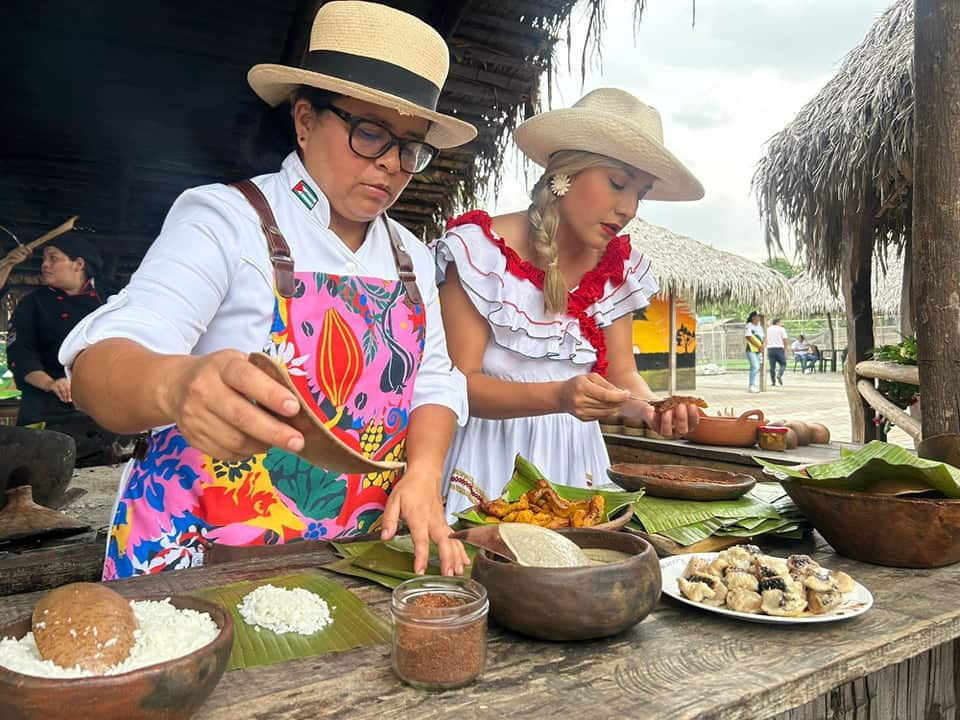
[(901, 394)]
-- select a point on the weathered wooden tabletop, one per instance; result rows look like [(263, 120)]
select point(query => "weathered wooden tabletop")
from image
[(678, 663)]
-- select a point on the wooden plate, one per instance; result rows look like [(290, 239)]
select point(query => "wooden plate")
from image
[(617, 523), (683, 482)]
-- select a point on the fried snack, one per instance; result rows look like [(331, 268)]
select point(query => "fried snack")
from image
[(669, 403), (544, 507)]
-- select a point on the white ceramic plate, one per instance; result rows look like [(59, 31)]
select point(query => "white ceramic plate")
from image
[(854, 603)]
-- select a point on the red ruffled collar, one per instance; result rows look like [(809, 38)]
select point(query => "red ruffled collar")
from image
[(590, 289)]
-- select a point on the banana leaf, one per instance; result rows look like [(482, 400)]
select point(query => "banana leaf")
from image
[(660, 514), (353, 549), (692, 533), (388, 563), (354, 624), (526, 476), (345, 566), (877, 466)]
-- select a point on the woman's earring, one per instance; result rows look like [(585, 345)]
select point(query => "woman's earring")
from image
[(560, 184)]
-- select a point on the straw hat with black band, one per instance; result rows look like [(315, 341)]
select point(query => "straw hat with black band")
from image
[(614, 123), (374, 53)]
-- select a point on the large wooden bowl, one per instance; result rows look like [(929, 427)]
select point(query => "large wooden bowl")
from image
[(167, 691), (578, 603), (893, 530)]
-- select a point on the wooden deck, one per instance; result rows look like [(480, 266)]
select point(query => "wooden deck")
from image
[(896, 661)]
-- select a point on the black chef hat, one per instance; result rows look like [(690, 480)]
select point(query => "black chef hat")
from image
[(75, 245)]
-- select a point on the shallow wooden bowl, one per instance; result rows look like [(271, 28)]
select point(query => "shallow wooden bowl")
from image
[(894, 530), (167, 691), (578, 603), (684, 482)]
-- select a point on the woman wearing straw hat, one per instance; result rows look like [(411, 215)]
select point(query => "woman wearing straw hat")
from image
[(538, 306), (304, 265)]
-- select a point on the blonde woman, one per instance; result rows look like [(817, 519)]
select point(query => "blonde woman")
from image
[(538, 305)]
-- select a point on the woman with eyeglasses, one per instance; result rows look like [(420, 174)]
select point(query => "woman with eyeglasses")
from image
[(305, 265)]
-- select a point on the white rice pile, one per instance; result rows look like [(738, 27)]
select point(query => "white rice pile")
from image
[(285, 611), (165, 633)]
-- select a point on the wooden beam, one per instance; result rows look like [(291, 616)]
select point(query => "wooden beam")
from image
[(889, 371), (858, 238), (485, 93), (499, 80), (887, 409), (936, 211)]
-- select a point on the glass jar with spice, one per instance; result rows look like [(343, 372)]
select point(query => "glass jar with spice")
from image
[(773, 438), (439, 631)]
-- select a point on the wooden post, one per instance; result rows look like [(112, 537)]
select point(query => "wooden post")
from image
[(907, 305), (858, 237), (936, 211), (673, 343), (833, 342)]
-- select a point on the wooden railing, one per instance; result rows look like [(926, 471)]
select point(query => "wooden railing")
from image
[(871, 370)]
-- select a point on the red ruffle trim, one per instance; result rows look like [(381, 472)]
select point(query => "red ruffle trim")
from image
[(589, 290)]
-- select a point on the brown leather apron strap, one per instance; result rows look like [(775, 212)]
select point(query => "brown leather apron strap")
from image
[(280, 256), (404, 265)]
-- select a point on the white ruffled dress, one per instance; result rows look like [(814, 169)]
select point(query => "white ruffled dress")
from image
[(529, 345)]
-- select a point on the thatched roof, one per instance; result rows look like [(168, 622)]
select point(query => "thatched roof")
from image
[(700, 273), (811, 294), (854, 139)]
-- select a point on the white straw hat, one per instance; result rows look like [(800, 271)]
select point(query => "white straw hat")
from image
[(374, 53), (614, 123)]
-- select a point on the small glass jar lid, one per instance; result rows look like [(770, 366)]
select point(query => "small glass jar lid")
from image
[(775, 429)]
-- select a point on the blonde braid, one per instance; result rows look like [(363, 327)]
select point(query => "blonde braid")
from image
[(544, 220)]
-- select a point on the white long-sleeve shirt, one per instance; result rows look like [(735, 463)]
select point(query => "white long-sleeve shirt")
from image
[(206, 283)]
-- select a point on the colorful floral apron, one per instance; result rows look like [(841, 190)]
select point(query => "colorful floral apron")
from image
[(353, 346)]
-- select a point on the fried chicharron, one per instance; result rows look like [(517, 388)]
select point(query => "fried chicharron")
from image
[(542, 506)]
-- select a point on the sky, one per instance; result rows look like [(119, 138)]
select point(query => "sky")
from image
[(723, 87)]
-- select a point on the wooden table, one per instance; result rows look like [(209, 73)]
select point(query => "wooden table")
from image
[(629, 448), (896, 661)]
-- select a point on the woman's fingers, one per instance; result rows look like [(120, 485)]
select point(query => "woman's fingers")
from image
[(255, 384), (254, 423)]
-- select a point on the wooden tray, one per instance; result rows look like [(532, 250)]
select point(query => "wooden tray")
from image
[(683, 482)]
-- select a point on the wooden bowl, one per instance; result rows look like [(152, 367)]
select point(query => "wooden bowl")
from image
[(732, 432), (616, 523), (684, 482), (167, 691), (894, 530), (580, 603)]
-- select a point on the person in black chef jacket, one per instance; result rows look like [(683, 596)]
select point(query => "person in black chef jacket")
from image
[(39, 325)]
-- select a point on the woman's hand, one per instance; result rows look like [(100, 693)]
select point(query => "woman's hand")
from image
[(61, 388), (416, 499), (591, 397), (209, 397), (671, 423), (16, 256)]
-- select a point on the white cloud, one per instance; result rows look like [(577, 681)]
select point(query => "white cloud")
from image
[(723, 88)]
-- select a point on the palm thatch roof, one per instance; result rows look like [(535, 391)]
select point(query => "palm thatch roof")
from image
[(812, 295), (700, 273), (854, 140)]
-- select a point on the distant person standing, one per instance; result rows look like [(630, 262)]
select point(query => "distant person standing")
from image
[(753, 335), (776, 351)]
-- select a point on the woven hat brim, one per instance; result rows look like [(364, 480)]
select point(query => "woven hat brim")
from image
[(605, 134), (274, 83)]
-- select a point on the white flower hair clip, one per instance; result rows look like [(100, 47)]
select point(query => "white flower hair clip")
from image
[(560, 184)]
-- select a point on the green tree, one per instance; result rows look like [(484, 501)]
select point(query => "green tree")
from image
[(782, 266)]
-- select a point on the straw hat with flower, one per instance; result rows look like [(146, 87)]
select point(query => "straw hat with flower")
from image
[(374, 53), (614, 123)]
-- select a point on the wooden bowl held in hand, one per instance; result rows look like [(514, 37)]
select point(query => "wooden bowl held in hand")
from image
[(575, 603), (894, 530), (169, 690), (733, 432)]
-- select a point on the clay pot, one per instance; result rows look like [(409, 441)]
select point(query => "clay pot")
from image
[(894, 530), (168, 691), (733, 432), (579, 603), (684, 482)]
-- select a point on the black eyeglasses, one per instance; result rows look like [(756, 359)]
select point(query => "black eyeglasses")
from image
[(371, 140)]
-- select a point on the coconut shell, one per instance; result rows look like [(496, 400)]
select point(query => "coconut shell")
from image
[(86, 625), (802, 430), (792, 441), (819, 433)]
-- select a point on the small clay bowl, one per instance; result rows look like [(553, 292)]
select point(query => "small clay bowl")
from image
[(894, 530), (167, 691), (579, 603), (615, 523), (732, 432), (684, 482)]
